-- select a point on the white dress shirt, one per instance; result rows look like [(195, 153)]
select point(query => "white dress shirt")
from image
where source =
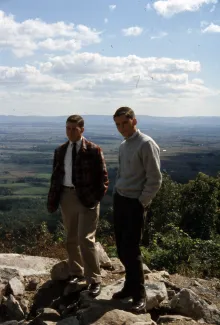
[(67, 181)]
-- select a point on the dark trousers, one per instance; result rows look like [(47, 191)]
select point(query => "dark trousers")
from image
[(129, 217)]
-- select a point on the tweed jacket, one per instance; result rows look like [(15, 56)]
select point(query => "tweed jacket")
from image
[(91, 175)]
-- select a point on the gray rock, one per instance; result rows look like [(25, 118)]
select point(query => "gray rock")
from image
[(151, 322), (173, 318), (196, 283), (217, 286), (7, 273), (187, 303), (16, 286), (104, 273), (103, 302), (60, 271), (104, 260), (14, 309), (32, 285), (69, 321), (117, 266), (24, 306), (156, 292), (106, 293), (157, 276), (96, 315), (26, 265), (48, 314), (2, 290), (171, 294), (146, 269)]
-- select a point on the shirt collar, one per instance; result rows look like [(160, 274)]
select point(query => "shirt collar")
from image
[(133, 135), (78, 143)]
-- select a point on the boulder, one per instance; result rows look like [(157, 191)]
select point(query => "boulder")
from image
[(99, 316), (107, 292), (3, 287), (117, 266), (156, 292), (32, 284), (174, 318), (104, 273), (26, 265), (24, 303), (104, 260), (16, 287), (14, 309), (60, 271), (7, 273), (146, 269), (187, 303), (157, 276)]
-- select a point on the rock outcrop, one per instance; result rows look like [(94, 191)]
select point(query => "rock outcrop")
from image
[(35, 291)]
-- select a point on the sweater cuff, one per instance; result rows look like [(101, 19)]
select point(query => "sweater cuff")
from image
[(144, 203)]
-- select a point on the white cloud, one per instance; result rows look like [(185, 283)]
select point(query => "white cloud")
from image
[(112, 7), (132, 31), (189, 31), (93, 75), (213, 8), (93, 63), (24, 38), (168, 8), (116, 77), (160, 35), (30, 78), (212, 28), (59, 82), (198, 81), (106, 20), (60, 45)]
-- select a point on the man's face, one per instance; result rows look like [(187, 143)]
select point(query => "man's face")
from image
[(125, 125), (73, 131)]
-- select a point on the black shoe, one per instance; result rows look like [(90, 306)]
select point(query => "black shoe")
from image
[(139, 306), (94, 289), (124, 293), (75, 279)]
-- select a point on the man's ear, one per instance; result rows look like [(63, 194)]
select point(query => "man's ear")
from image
[(134, 122), (82, 130)]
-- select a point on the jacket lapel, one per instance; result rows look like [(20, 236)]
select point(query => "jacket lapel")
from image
[(62, 153), (83, 147)]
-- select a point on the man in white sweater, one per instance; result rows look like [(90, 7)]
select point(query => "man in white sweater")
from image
[(138, 180)]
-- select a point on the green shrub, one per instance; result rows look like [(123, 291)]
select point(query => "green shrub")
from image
[(177, 252)]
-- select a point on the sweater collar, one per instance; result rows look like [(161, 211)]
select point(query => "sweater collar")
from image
[(133, 135)]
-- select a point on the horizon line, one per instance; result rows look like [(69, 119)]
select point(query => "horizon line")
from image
[(107, 115)]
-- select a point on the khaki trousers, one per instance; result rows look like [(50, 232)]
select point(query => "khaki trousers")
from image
[(80, 224)]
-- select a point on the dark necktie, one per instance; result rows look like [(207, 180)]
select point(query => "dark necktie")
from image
[(74, 153)]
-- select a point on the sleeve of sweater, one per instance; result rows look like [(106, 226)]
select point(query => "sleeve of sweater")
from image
[(151, 162), (117, 173)]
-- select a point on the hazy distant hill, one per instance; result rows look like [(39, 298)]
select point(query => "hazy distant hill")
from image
[(107, 119)]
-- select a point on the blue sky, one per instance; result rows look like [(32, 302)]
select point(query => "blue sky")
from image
[(90, 57)]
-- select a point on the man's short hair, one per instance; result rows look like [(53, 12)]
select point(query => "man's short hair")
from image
[(76, 119), (127, 111)]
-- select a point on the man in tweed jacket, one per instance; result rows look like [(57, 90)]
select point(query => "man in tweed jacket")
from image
[(78, 183)]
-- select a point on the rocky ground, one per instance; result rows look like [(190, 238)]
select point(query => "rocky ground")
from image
[(34, 290)]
